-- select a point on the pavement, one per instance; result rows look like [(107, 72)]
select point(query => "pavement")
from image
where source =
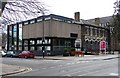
[(11, 69), (85, 58)]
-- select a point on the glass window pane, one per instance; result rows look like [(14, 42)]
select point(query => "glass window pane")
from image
[(39, 48), (26, 48), (32, 42), (48, 48), (32, 48)]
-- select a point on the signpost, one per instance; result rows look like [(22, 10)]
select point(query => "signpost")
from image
[(103, 46)]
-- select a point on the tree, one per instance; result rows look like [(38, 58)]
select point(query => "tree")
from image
[(4, 39), (20, 10), (116, 23)]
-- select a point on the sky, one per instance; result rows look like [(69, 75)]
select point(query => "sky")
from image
[(88, 9)]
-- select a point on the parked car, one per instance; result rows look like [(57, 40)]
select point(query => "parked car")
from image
[(3, 53), (12, 54), (27, 54)]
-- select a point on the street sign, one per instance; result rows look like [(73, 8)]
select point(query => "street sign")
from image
[(103, 45)]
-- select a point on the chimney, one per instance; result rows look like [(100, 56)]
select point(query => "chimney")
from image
[(97, 21), (77, 16)]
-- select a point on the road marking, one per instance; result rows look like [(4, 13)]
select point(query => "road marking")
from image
[(27, 70), (72, 63), (67, 75), (44, 68), (78, 62), (52, 67), (63, 71), (113, 74), (88, 73), (68, 63)]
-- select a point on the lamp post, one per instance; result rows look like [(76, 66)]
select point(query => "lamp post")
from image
[(43, 38)]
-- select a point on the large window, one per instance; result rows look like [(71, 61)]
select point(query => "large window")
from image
[(15, 37), (32, 48), (32, 42), (39, 48), (10, 37), (47, 48), (20, 34), (25, 42), (26, 48), (39, 41), (47, 41)]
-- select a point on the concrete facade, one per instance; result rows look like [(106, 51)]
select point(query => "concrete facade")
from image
[(52, 28)]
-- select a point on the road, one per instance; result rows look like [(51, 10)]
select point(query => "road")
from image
[(66, 67)]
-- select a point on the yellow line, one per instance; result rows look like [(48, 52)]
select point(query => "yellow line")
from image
[(27, 70)]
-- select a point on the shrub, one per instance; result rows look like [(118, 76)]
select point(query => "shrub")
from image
[(65, 49), (72, 49)]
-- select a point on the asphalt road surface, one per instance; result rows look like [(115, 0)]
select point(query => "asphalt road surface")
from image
[(65, 67)]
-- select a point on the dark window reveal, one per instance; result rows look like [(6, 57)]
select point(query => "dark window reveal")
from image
[(73, 35)]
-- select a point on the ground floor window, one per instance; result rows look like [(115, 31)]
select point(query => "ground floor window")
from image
[(39, 48), (26, 48), (32, 48)]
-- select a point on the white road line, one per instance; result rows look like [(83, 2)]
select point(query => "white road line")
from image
[(113, 74), (88, 73), (78, 62), (63, 71), (44, 68), (68, 63), (72, 63), (52, 67), (67, 75)]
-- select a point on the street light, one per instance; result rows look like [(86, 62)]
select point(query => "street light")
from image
[(43, 38)]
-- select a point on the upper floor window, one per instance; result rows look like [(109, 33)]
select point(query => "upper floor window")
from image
[(32, 21), (32, 42), (25, 23), (94, 32), (25, 42), (98, 31), (39, 19), (108, 23), (100, 24), (86, 30), (47, 18)]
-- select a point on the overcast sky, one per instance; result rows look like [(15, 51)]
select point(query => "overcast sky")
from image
[(88, 8)]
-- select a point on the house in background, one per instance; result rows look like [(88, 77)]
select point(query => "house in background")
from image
[(58, 32), (107, 23)]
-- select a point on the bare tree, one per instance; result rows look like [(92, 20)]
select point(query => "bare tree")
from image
[(116, 25), (20, 10)]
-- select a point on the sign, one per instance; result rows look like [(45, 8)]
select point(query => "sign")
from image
[(102, 45), (78, 43)]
